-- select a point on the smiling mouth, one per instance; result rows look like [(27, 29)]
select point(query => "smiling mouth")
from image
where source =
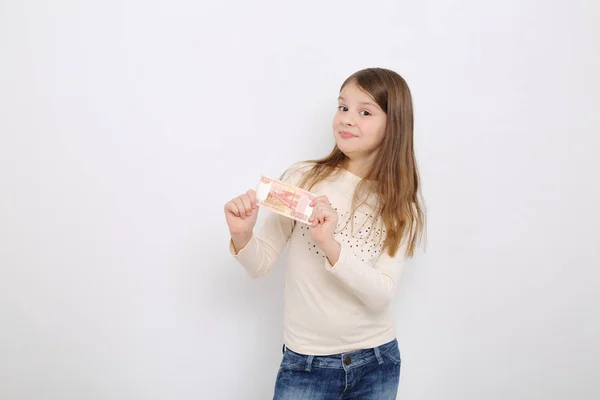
[(347, 135)]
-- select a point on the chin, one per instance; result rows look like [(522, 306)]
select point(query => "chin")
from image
[(344, 148)]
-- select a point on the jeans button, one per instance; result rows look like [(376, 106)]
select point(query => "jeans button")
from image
[(347, 360)]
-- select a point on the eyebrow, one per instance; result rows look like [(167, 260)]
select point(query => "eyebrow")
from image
[(362, 104)]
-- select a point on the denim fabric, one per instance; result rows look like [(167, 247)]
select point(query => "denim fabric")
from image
[(370, 374)]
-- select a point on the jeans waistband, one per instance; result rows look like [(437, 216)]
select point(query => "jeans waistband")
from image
[(343, 360)]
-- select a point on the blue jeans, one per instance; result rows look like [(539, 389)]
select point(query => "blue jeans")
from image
[(372, 374)]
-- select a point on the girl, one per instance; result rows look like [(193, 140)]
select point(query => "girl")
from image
[(343, 267)]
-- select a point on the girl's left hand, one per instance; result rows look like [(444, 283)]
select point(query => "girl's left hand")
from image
[(323, 222)]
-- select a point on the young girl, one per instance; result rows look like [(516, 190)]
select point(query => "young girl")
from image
[(343, 267)]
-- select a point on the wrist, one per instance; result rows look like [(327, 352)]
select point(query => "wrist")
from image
[(331, 247), (240, 240)]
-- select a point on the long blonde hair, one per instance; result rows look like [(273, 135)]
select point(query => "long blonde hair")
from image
[(394, 176)]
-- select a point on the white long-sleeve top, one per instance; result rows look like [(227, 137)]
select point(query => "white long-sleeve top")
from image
[(330, 309)]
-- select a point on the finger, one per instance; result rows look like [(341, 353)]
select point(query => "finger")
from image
[(313, 218), (312, 215), (252, 195), (318, 216), (315, 221), (234, 209), (240, 207), (325, 213), (247, 204), (231, 208), (320, 200), (322, 217), (314, 202)]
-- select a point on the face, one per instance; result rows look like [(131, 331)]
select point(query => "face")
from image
[(359, 123)]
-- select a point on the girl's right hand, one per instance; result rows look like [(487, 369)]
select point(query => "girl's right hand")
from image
[(241, 214)]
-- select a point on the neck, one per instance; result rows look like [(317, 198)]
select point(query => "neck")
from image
[(359, 167)]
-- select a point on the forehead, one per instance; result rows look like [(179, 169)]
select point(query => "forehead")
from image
[(352, 92)]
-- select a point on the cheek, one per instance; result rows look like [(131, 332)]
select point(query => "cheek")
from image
[(336, 120), (382, 130), (374, 129), (379, 130)]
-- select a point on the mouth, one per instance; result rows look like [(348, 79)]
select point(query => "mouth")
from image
[(346, 135)]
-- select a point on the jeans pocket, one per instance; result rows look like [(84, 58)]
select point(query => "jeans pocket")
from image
[(292, 361), (393, 355)]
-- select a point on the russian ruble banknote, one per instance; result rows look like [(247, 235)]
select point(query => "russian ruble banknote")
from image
[(284, 199)]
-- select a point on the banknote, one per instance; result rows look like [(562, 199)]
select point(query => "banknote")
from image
[(284, 199)]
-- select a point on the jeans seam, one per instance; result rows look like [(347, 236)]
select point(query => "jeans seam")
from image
[(292, 366)]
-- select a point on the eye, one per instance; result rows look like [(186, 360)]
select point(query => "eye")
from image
[(342, 108), (365, 112)]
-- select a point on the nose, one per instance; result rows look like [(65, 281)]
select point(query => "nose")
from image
[(348, 119)]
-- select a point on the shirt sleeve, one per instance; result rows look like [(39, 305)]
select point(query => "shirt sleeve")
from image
[(265, 247), (374, 285)]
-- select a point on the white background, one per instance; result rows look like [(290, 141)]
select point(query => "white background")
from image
[(126, 125)]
